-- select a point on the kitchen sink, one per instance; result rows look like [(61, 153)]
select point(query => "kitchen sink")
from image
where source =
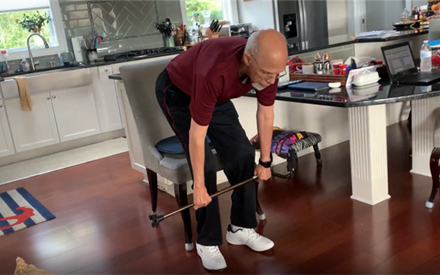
[(45, 81)]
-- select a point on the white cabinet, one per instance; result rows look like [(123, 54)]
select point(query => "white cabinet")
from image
[(56, 116), (6, 145), (75, 113), (33, 129), (107, 101)]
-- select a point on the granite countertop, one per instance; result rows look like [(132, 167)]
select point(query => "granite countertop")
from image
[(91, 65), (348, 97)]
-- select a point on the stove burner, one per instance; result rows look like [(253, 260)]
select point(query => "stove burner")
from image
[(141, 53)]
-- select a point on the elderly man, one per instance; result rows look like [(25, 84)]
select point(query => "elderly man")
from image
[(195, 92)]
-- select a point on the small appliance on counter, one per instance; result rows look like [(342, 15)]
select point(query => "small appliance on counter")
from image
[(241, 30)]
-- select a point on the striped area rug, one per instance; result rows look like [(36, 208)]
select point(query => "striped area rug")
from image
[(19, 210)]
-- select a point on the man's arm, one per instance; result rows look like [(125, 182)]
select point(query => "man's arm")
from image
[(197, 135), (265, 118)]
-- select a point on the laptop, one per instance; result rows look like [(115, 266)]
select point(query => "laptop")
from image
[(401, 66)]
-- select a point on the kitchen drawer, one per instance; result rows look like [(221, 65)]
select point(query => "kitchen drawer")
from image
[(46, 82)]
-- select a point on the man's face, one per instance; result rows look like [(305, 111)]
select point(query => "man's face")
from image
[(263, 73)]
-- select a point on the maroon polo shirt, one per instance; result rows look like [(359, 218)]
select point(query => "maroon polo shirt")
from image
[(208, 73)]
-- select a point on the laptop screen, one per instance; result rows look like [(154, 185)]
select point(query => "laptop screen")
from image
[(399, 59)]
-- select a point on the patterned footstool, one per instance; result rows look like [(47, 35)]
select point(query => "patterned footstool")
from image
[(286, 144)]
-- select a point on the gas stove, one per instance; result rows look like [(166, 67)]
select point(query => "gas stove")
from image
[(141, 53)]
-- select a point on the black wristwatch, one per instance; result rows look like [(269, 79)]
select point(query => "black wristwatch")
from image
[(266, 164)]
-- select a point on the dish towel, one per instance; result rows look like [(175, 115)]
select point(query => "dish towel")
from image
[(26, 101)]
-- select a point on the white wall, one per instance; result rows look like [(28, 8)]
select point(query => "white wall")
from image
[(337, 21), (382, 13), (257, 12), (418, 3)]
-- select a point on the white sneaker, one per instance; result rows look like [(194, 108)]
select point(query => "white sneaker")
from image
[(248, 236), (212, 258)]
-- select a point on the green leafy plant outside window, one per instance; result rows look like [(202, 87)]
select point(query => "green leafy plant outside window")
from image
[(13, 35), (33, 21)]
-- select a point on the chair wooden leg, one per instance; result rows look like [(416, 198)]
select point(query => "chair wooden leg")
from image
[(152, 182), (260, 212), (317, 153), (182, 200), (434, 166)]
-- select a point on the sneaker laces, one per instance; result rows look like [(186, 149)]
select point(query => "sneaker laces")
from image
[(213, 251), (251, 234)]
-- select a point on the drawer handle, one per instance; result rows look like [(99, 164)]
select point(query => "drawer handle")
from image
[(54, 96), (1, 106), (48, 98)]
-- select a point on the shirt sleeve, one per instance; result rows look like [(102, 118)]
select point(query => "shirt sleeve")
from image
[(267, 96), (203, 99)]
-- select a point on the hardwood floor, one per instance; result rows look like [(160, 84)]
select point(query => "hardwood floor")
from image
[(102, 224)]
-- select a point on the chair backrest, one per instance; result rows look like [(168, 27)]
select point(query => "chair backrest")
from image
[(140, 85)]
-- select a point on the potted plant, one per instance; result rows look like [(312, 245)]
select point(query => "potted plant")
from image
[(33, 22)]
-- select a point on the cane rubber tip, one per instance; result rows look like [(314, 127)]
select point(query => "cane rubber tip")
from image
[(155, 220)]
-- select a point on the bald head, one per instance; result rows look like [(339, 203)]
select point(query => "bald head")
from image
[(265, 56), (267, 44)]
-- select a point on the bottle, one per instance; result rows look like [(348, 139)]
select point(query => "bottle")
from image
[(24, 65), (185, 36), (4, 52), (425, 58), (60, 60)]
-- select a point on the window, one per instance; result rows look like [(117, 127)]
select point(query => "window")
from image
[(208, 10), (13, 37)]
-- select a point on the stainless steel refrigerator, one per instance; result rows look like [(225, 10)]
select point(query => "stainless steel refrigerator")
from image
[(303, 22)]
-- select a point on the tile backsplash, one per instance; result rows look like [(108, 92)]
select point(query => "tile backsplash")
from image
[(125, 24), (117, 20)]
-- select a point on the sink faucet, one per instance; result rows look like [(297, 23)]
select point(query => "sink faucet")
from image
[(32, 65)]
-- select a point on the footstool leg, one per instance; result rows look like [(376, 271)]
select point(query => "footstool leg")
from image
[(317, 153), (291, 163)]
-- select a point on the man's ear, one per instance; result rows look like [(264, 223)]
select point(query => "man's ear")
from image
[(247, 59)]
